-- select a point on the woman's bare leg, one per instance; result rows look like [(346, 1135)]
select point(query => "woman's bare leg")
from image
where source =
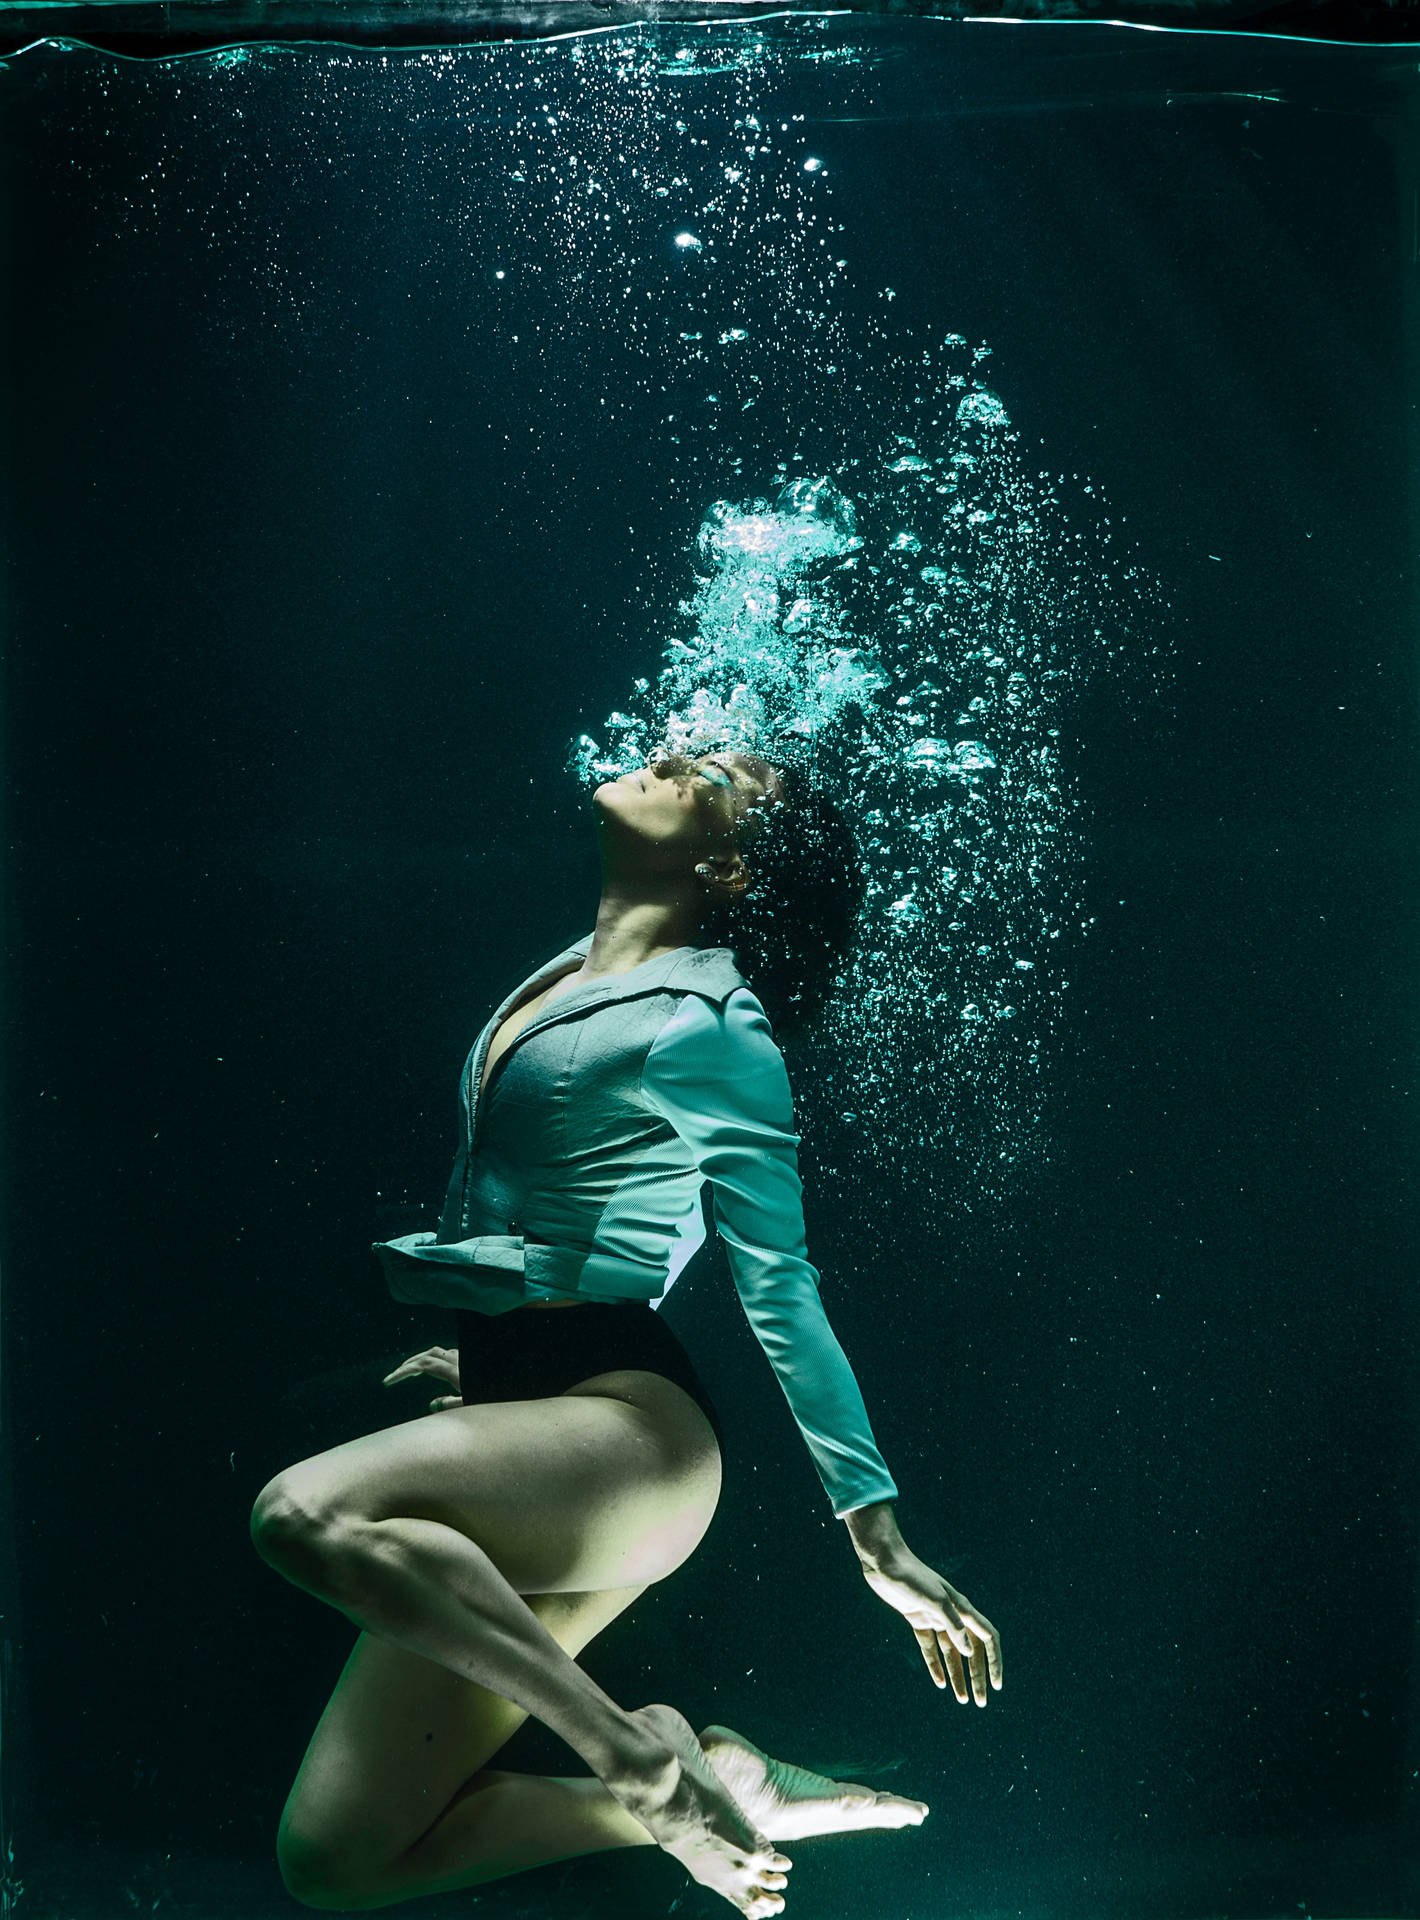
[(428, 1534), (401, 1736), (394, 1798)]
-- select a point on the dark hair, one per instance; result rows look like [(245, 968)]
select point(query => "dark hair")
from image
[(792, 929)]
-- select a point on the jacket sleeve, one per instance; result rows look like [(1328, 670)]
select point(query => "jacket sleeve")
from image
[(717, 1076)]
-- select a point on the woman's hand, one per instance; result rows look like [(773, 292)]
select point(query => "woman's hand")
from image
[(443, 1363), (948, 1628)]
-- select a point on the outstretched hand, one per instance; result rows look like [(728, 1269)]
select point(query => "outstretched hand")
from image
[(442, 1363), (949, 1629)]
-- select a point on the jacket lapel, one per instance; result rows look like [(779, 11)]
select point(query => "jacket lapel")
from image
[(710, 971), (548, 971)]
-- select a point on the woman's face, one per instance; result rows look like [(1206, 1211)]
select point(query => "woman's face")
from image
[(680, 809)]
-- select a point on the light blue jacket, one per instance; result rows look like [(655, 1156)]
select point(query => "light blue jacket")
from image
[(580, 1169)]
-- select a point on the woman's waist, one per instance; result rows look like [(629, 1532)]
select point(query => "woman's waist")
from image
[(495, 1272), (538, 1240), (570, 1202)]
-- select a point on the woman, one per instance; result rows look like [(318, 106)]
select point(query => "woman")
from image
[(480, 1550)]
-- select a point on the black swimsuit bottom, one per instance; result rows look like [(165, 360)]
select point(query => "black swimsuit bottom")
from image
[(531, 1353)]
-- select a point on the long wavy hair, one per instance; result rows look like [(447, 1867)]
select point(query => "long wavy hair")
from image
[(792, 929)]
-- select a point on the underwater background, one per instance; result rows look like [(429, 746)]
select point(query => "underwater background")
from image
[(1022, 416)]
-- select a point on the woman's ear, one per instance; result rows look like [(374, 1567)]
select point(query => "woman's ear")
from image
[(724, 873)]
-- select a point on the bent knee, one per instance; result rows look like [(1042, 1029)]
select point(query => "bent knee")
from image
[(293, 1527)]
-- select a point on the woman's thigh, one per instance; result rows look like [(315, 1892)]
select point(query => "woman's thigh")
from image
[(611, 1484), (399, 1738), (581, 1501)]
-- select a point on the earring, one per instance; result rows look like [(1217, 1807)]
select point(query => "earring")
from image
[(702, 869)]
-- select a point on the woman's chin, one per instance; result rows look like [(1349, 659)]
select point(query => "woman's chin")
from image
[(613, 790)]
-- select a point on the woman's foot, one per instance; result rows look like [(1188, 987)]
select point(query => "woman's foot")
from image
[(790, 1803), (689, 1811)]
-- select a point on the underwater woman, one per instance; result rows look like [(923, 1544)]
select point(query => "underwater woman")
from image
[(479, 1548)]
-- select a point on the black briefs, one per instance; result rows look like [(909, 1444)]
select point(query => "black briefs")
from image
[(531, 1353)]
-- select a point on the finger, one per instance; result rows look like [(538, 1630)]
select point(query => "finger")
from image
[(406, 1369), (448, 1400), (978, 1674), (954, 1670), (981, 1632), (927, 1641), (991, 1642), (435, 1362), (956, 1630)]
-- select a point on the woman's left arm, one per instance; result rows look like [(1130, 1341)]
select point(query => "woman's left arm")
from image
[(948, 1628), (720, 1080)]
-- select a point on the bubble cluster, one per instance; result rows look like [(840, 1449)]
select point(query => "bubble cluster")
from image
[(922, 625), (841, 547), (767, 659)]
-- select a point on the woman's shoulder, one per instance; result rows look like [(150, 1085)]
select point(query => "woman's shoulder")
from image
[(717, 1062), (725, 1030), (709, 978), (710, 973)]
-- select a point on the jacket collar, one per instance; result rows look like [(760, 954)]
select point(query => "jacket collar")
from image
[(707, 971)]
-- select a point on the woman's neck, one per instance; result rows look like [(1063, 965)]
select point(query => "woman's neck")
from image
[(632, 929)]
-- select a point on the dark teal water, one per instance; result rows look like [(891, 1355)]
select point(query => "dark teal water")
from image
[(1023, 413)]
